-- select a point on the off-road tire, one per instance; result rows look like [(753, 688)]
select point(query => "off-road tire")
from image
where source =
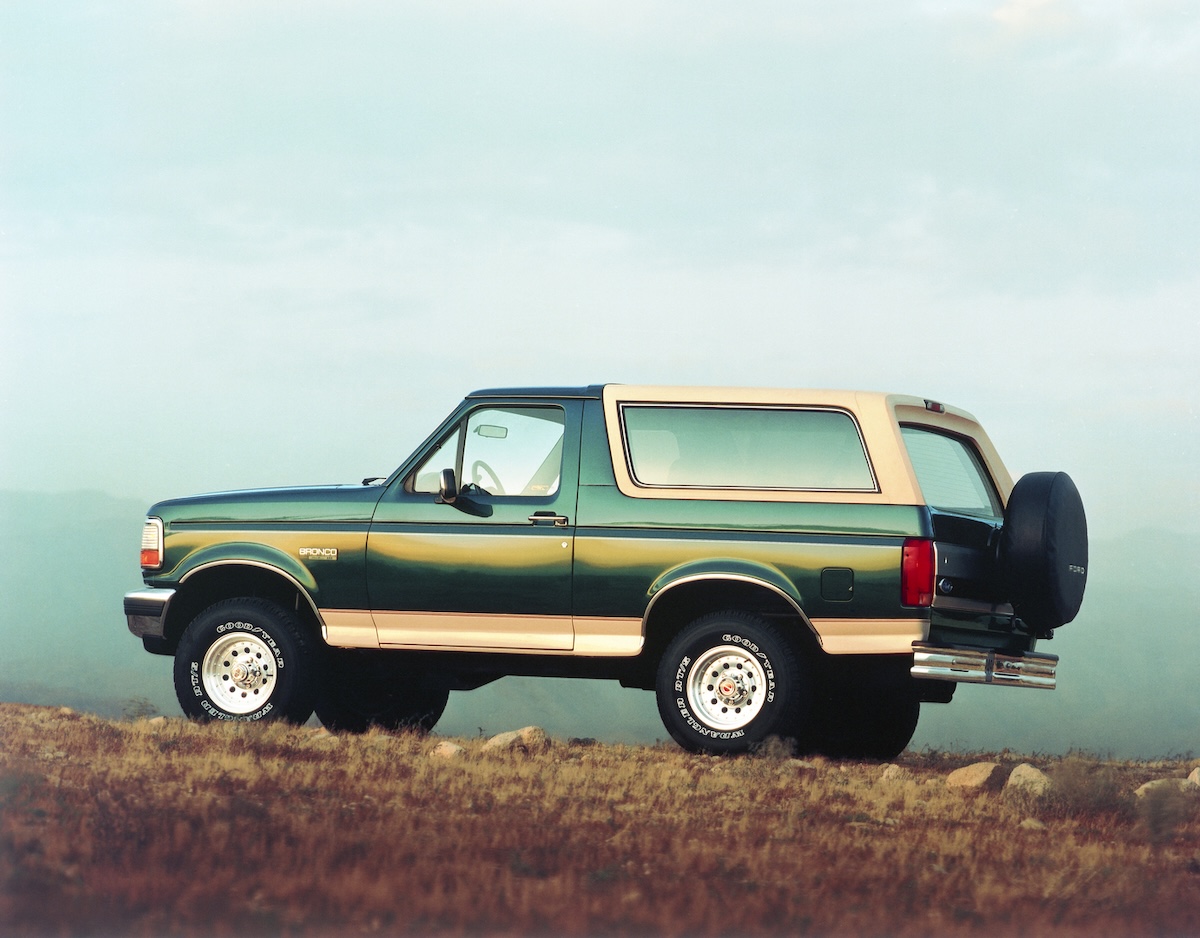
[(248, 660), (361, 689), (730, 680), (860, 724)]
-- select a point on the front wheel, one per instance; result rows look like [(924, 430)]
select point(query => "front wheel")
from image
[(728, 681), (248, 660)]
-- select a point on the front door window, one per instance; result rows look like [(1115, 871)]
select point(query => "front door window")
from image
[(514, 450), (506, 451)]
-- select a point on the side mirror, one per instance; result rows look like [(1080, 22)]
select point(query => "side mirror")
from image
[(448, 487)]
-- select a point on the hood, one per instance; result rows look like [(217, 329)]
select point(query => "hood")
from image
[(309, 503)]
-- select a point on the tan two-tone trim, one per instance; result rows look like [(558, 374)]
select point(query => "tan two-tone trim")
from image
[(605, 636), (896, 484), (478, 631), (870, 636), (598, 636), (349, 628), (878, 417)]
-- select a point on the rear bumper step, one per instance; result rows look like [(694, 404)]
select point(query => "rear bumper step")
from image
[(976, 666)]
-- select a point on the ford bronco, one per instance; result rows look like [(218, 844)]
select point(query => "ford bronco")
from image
[(809, 565)]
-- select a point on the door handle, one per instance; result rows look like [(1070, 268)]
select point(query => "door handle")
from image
[(560, 521)]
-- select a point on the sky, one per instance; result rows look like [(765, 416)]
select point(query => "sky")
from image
[(259, 243)]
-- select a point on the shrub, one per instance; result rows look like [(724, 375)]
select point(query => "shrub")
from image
[(1162, 810), (1086, 789)]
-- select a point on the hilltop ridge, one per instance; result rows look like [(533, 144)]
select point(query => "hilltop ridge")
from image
[(148, 827)]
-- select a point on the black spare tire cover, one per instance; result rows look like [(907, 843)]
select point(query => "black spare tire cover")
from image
[(1044, 549)]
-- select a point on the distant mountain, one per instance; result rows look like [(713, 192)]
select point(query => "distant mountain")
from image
[(1126, 679), (67, 560)]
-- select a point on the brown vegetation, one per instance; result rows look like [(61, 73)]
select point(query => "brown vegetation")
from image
[(172, 828)]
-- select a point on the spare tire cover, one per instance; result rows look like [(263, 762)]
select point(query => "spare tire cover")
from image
[(1044, 549)]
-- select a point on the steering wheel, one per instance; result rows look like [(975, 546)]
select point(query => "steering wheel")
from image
[(478, 468)]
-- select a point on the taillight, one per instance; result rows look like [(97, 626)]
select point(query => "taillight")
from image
[(917, 569), (152, 544)]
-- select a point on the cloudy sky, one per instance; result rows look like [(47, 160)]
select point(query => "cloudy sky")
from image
[(249, 243)]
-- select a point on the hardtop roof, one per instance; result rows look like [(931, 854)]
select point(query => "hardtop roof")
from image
[(591, 391), (711, 394)]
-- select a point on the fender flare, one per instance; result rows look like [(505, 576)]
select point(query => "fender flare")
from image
[(728, 569), (260, 556)]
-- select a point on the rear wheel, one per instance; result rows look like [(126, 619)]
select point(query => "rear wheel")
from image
[(245, 659), (361, 689), (866, 725), (728, 681)]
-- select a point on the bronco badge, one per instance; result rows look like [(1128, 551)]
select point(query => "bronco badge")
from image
[(318, 553)]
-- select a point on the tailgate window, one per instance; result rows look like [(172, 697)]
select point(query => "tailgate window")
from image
[(950, 473)]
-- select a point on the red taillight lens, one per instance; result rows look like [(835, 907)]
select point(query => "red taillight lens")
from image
[(152, 544), (917, 569)]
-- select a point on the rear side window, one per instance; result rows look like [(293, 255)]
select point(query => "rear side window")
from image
[(745, 448), (950, 473)]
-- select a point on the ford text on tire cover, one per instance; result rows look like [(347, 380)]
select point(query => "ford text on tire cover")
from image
[(809, 565)]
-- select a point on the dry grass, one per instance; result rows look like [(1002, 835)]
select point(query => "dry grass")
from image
[(134, 828)]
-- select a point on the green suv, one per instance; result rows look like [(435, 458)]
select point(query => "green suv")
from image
[(810, 565)]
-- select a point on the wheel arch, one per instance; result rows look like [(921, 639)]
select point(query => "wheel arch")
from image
[(686, 597), (212, 582)]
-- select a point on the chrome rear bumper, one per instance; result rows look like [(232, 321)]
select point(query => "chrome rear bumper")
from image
[(976, 666)]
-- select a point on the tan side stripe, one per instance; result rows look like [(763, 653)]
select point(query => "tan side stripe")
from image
[(599, 636), (870, 636), (610, 637), (586, 635), (349, 628), (475, 630)]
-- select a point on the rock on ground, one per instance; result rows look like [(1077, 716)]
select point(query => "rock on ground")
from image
[(531, 739), (982, 776), (895, 773), (1029, 780), (322, 737), (1182, 785)]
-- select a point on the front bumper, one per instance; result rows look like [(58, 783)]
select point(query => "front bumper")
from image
[(979, 666), (146, 612)]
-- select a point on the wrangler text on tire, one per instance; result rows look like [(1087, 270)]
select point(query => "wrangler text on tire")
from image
[(728, 681)]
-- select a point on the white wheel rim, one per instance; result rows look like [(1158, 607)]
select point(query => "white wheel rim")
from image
[(726, 687), (238, 672)]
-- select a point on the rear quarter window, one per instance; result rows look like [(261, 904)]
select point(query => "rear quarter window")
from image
[(769, 448), (950, 473)]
